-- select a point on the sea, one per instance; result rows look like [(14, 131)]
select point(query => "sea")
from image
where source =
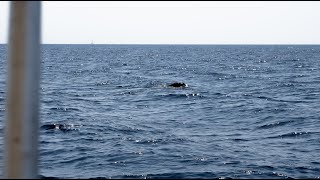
[(108, 111)]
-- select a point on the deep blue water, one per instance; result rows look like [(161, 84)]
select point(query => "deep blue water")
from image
[(248, 111)]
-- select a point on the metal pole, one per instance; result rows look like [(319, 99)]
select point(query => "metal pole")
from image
[(22, 124)]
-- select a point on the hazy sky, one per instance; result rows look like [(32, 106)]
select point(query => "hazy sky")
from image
[(176, 22)]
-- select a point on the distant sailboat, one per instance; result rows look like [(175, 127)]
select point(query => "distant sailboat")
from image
[(92, 42)]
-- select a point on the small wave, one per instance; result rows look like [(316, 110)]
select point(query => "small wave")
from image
[(47, 177), (85, 71), (125, 130), (52, 152), (221, 76), (153, 84), (125, 93), (158, 140), (76, 159), (280, 100), (292, 135), (273, 125), (187, 95), (48, 101), (101, 83), (64, 109), (286, 85), (127, 86)]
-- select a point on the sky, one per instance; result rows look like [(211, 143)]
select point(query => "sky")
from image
[(175, 22)]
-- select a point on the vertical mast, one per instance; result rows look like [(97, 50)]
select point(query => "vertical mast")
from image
[(22, 124)]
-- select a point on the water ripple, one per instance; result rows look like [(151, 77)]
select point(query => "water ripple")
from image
[(294, 135)]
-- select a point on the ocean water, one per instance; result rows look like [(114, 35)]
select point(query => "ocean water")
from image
[(249, 111)]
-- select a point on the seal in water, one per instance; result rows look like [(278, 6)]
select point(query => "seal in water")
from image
[(63, 127), (178, 84)]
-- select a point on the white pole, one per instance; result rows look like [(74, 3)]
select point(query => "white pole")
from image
[(22, 124)]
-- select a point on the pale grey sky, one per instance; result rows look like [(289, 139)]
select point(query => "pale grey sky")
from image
[(176, 22)]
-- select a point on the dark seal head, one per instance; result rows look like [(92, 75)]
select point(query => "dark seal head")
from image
[(178, 84)]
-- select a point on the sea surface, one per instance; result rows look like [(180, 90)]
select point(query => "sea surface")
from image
[(249, 111)]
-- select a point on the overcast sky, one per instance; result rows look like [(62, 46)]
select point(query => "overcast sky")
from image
[(176, 22)]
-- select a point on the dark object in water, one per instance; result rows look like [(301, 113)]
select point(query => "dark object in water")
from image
[(63, 127), (52, 126), (178, 84)]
